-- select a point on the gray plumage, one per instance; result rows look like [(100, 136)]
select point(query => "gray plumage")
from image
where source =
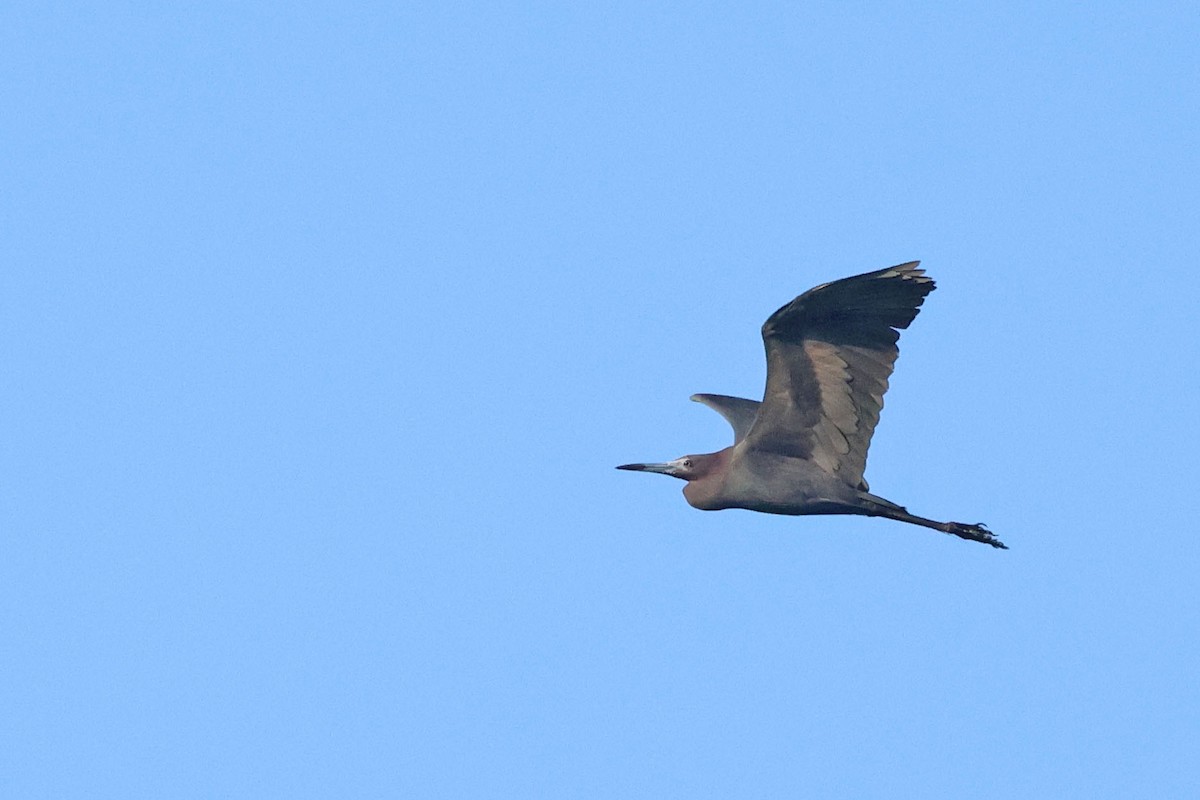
[(803, 449)]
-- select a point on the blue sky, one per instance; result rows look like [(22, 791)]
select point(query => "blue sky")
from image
[(325, 325)]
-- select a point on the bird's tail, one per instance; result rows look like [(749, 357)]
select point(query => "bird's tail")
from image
[(880, 501)]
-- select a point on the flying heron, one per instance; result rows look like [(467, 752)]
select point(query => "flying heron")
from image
[(803, 449)]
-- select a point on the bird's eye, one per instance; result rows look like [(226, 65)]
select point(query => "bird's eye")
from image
[(687, 463)]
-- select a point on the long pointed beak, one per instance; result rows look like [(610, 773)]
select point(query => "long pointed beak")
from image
[(668, 468)]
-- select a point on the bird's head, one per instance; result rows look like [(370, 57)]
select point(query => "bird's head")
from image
[(687, 468)]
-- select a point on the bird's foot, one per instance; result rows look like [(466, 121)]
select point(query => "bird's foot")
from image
[(976, 533)]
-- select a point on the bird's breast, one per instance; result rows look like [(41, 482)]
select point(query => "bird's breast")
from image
[(706, 495)]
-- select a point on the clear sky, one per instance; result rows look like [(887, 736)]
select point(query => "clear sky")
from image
[(324, 326)]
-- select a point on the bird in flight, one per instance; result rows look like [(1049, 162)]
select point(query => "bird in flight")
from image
[(803, 449)]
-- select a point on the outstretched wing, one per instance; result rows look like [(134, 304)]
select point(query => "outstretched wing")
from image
[(737, 411), (830, 353)]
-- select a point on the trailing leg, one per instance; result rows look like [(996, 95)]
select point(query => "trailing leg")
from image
[(878, 507)]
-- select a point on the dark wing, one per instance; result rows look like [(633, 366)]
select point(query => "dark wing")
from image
[(830, 353), (737, 411)]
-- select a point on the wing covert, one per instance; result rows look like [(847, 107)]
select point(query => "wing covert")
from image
[(830, 353), (737, 411)]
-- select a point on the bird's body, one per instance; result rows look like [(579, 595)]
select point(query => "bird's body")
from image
[(803, 449), (768, 482)]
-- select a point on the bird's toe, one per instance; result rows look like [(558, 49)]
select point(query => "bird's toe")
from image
[(977, 533)]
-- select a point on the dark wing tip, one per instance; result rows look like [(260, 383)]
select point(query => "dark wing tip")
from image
[(888, 297), (907, 272)]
